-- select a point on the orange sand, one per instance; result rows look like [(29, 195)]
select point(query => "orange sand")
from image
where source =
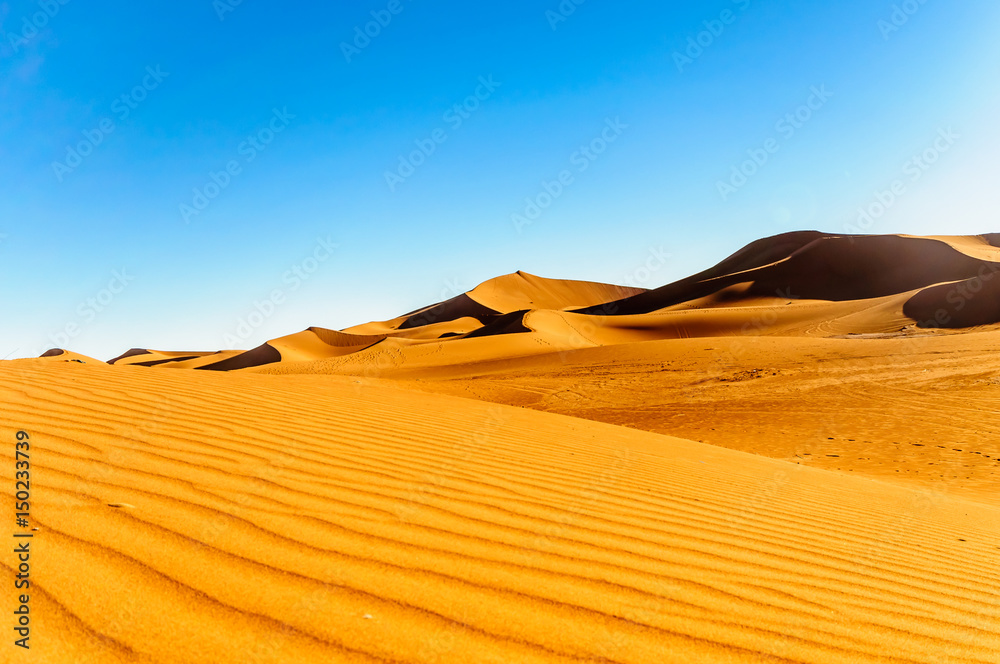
[(198, 516)]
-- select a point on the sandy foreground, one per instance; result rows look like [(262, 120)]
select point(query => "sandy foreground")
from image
[(191, 516)]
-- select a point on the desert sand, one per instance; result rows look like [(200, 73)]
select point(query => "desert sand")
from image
[(920, 410), (790, 457), (193, 516)]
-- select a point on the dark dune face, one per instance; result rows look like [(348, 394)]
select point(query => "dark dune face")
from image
[(155, 363), (730, 271), (512, 323), (130, 353), (259, 356), (54, 352), (339, 339), (815, 266), (843, 268), (461, 306), (764, 252), (968, 303)]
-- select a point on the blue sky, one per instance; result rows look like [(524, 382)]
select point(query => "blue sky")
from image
[(169, 169)]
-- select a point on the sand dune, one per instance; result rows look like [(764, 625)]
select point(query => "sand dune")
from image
[(526, 334), (808, 266), (61, 355), (522, 291), (489, 309), (797, 284), (141, 357), (312, 344), (985, 247), (962, 304), (503, 295), (191, 515)]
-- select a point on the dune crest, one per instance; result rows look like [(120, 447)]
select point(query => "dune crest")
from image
[(62, 355), (802, 284), (808, 266)]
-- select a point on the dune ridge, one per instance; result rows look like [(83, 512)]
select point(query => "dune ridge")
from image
[(818, 266), (797, 284)]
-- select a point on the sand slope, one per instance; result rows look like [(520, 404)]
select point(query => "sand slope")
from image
[(203, 516), (923, 411)]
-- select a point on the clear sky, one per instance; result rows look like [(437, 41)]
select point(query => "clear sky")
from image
[(166, 167)]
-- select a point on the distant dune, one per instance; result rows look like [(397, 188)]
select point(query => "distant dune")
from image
[(815, 266), (519, 292), (804, 284), (68, 356)]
